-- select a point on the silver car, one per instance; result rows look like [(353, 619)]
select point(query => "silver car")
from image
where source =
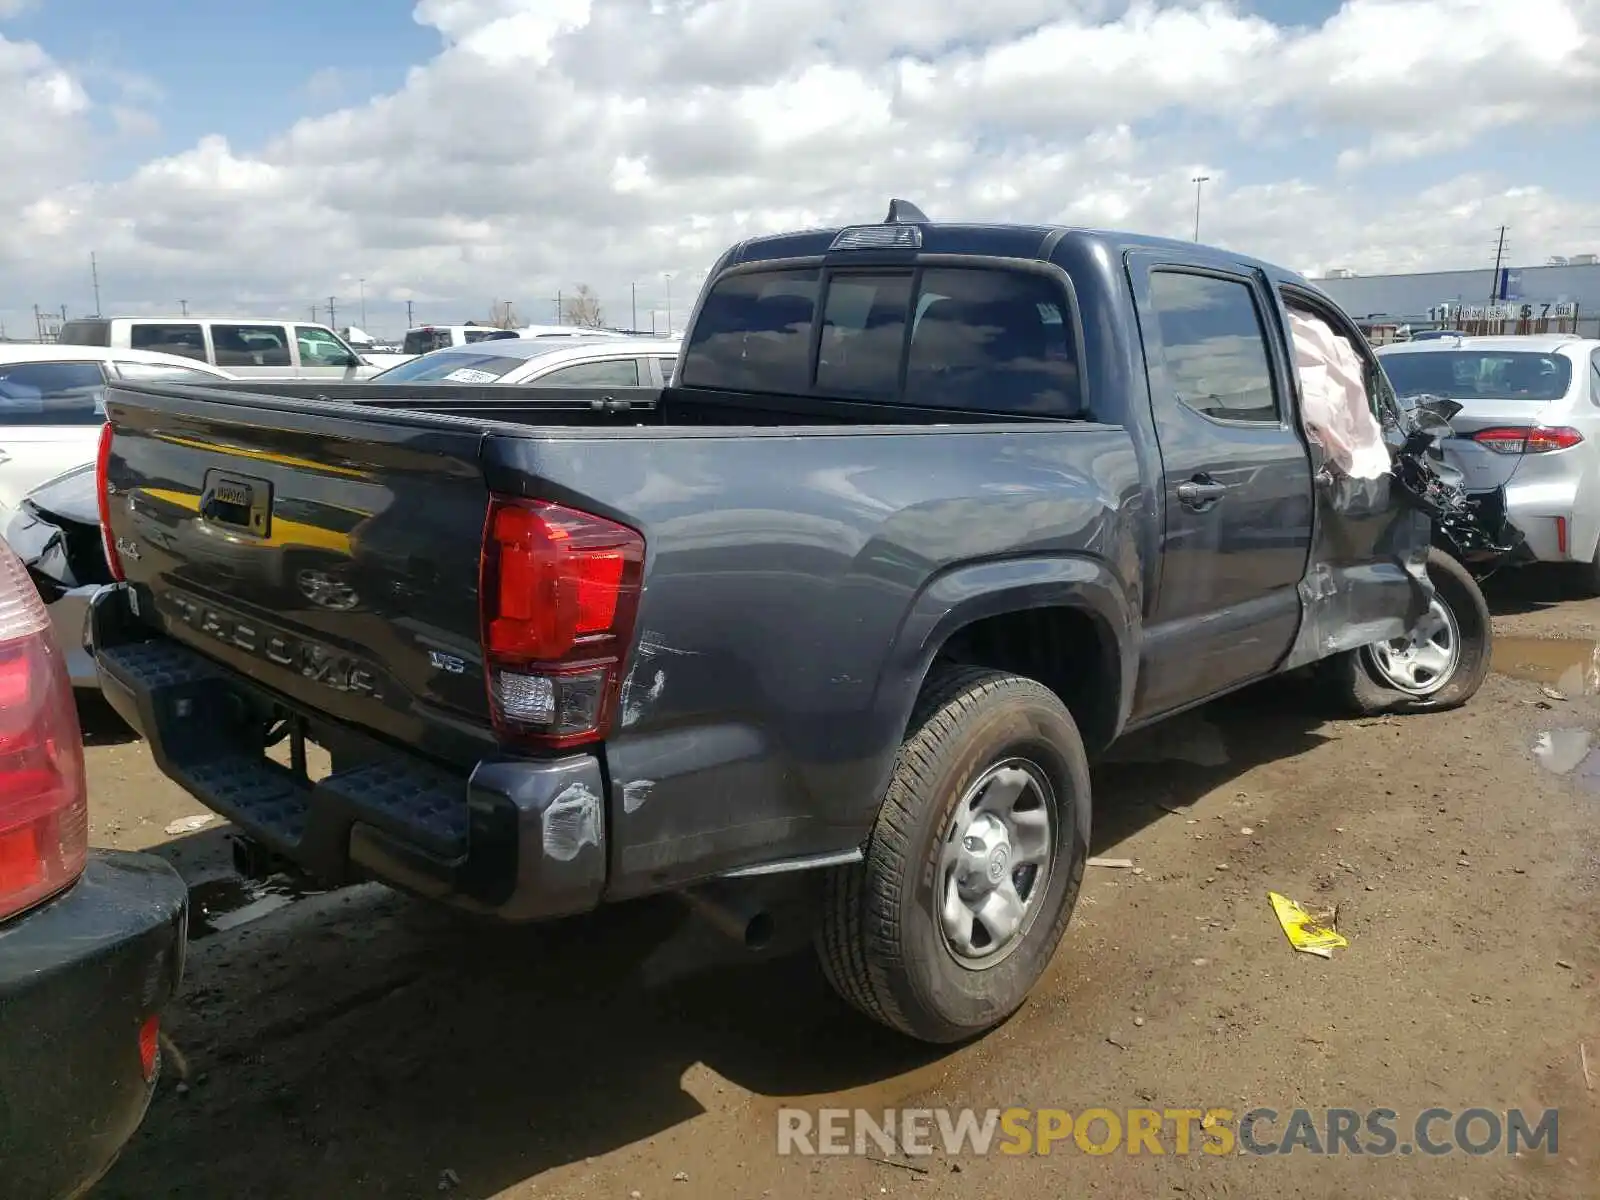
[(591, 362), (1529, 422)]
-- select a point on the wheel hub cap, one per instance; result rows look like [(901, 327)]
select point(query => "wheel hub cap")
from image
[(1424, 661), (998, 850)]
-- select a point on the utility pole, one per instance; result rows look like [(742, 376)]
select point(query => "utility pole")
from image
[(1499, 253), (313, 314), (331, 299), (363, 285), (667, 275), (1199, 182), (409, 322), (184, 306), (38, 323), (94, 272), (558, 307), (633, 289)]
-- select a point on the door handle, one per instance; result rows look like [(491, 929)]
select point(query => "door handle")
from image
[(1201, 492)]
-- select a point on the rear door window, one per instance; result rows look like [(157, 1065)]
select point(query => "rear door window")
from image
[(425, 341), (1213, 345), (616, 372), (250, 345), (45, 393), (319, 348), (754, 333), (186, 340)]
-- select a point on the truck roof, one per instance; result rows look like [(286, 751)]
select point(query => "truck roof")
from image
[(1022, 241)]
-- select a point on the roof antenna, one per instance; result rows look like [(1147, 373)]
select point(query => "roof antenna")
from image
[(903, 212)]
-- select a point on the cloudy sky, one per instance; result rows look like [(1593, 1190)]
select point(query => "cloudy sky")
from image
[(256, 158)]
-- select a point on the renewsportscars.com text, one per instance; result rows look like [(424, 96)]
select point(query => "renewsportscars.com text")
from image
[(1376, 1132)]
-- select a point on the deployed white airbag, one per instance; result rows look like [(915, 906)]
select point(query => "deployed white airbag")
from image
[(1334, 404)]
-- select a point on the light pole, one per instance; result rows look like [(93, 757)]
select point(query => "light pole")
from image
[(667, 275), (363, 285), (1199, 181), (633, 291)]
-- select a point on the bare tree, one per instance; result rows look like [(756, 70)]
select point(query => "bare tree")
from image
[(582, 308)]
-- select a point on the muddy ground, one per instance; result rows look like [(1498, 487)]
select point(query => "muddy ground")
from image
[(357, 1044)]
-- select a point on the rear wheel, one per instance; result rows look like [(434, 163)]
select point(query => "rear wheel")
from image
[(1439, 665), (974, 865)]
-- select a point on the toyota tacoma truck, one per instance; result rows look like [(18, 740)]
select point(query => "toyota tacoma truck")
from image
[(932, 514)]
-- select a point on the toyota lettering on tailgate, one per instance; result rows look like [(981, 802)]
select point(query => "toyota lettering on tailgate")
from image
[(309, 659)]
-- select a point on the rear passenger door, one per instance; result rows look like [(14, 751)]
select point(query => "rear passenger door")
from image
[(1236, 483), (50, 418)]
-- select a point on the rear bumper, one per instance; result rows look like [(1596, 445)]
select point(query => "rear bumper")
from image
[(519, 839), (1542, 510), (79, 975), (69, 617)]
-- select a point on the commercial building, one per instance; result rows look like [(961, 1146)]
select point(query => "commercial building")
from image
[(1563, 296)]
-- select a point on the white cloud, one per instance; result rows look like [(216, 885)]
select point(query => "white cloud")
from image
[(551, 142)]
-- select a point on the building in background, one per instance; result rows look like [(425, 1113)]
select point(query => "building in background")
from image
[(1563, 296)]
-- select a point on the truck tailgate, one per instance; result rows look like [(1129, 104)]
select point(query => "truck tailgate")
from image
[(319, 553)]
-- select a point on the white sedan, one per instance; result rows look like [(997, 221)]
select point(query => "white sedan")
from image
[(591, 362), (1529, 423), (52, 404)]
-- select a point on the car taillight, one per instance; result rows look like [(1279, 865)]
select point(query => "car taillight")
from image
[(1514, 439), (102, 487), (559, 591), (44, 812)]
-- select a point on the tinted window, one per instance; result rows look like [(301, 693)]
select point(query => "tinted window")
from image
[(1213, 346), (186, 340), (474, 336), (453, 367), (52, 394), (754, 333), (668, 366), (139, 372), (250, 345), (863, 331), (421, 341), (319, 348), (1480, 374), (1594, 377), (993, 341), (619, 372), (85, 333)]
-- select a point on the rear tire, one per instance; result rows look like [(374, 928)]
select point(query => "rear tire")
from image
[(990, 791), (1390, 677)]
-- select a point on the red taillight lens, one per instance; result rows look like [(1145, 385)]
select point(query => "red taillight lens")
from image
[(102, 487), (559, 590), (1515, 439), (149, 1047), (44, 817)]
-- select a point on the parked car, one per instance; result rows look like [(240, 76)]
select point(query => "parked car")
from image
[(55, 532), (52, 404), (546, 362), (245, 347), (425, 339), (1529, 423), (91, 941), (932, 513)]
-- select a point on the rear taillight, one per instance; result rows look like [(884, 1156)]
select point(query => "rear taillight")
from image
[(44, 811), (559, 591), (1515, 439), (102, 487)]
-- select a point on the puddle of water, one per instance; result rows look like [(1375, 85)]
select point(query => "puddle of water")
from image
[(1570, 665), (1570, 752), (217, 905)]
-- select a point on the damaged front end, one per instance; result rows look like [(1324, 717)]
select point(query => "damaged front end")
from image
[(55, 531), (1472, 529), (1383, 498)]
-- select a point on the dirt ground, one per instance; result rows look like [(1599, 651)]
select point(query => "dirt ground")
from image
[(358, 1044)]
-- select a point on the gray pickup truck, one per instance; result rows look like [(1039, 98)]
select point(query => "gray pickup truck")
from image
[(933, 513)]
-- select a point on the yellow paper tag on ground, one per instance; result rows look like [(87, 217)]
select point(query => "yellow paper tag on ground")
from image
[(1311, 932)]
